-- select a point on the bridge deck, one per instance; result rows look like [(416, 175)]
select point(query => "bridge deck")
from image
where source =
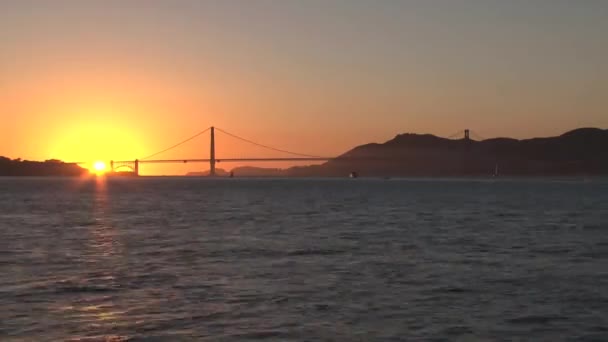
[(219, 160)]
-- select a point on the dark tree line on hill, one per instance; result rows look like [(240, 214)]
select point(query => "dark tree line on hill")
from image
[(18, 167)]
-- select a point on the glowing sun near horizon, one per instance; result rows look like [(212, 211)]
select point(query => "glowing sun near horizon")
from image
[(99, 167)]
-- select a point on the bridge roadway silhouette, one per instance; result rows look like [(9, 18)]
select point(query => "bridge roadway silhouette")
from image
[(133, 165)]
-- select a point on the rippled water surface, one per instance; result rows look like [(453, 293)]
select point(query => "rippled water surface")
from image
[(187, 259)]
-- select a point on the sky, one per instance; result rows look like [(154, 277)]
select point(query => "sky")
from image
[(121, 79)]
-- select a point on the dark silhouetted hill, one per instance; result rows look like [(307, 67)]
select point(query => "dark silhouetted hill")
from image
[(218, 172), (244, 171), (579, 152), (18, 167), (250, 171)]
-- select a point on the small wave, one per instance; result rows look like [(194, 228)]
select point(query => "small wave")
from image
[(599, 329), (111, 338), (254, 252), (280, 300), (457, 330), (49, 287), (536, 319), (451, 289), (303, 252), (259, 335), (553, 252), (84, 289), (593, 227), (322, 307)]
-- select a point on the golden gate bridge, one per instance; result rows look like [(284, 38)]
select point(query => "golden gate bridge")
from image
[(133, 166)]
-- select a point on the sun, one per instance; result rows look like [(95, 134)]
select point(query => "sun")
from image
[(99, 166)]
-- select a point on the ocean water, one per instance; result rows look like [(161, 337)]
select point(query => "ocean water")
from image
[(191, 259)]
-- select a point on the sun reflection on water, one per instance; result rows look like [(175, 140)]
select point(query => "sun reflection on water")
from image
[(96, 307)]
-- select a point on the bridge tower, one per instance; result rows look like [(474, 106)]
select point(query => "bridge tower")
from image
[(466, 135), (212, 153), (136, 168)]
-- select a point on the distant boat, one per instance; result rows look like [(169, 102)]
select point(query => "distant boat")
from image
[(353, 174)]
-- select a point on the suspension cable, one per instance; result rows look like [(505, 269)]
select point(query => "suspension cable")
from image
[(459, 133), (475, 135), (266, 146), (176, 145)]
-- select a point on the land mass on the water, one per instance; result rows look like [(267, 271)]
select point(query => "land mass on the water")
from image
[(18, 167), (218, 172), (245, 171), (581, 152)]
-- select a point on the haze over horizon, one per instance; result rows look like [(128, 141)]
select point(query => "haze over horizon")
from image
[(120, 80)]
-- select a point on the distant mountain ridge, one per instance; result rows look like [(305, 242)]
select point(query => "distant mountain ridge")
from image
[(243, 171), (581, 151)]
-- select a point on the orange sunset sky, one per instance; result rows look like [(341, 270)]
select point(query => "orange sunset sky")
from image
[(102, 80)]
